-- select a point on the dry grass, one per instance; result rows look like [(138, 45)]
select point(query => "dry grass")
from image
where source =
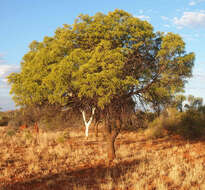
[(59, 161)]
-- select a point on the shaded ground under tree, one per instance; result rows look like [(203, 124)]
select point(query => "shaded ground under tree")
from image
[(91, 178)]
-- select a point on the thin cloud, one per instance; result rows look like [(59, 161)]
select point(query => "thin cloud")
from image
[(199, 73), (144, 17), (2, 61), (195, 83), (191, 37), (200, 76), (193, 3), (5, 70), (191, 19), (167, 25), (3, 85)]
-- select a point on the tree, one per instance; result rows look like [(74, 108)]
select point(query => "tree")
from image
[(87, 123), (179, 99), (158, 98), (103, 62), (195, 103)]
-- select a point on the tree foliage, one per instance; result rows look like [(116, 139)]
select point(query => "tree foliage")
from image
[(101, 59), (194, 103), (179, 99)]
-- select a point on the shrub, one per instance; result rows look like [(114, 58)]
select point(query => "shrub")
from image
[(155, 129), (137, 121), (60, 139), (11, 133), (63, 136), (52, 124), (171, 120), (190, 124), (15, 123), (18, 118), (4, 121)]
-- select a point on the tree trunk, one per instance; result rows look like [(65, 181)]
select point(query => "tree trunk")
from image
[(112, 133), (111, 147), (87, 124), (86, 131), (96, 129)]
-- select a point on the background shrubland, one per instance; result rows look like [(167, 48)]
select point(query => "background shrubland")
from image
[(189, 124)]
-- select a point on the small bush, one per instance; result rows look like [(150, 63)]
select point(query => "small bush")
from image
[(11, 133), (46, 125), (171, 120), (60, 139), (155, 129), (15, 123), (52, 124), (190, 124), (4, 121), (136, 121), (66, 134), (63, 136)]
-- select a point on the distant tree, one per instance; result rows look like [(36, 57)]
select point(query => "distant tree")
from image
[(158, 98), (179, 100), (103, 62), (195, 103)]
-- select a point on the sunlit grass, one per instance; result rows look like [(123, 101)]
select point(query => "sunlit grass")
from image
[(162, 164)]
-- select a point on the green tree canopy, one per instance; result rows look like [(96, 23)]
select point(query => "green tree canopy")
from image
[(100, 58)]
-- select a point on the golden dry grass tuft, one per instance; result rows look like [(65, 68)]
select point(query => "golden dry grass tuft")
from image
[(54, 160)]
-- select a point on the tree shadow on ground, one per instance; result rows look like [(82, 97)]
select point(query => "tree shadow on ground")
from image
[(83, 178)]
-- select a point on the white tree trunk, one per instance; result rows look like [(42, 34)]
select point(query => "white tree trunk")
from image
[(87, 124), (86, 131)]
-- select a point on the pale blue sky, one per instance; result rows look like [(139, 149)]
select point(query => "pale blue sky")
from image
[(22, 21)]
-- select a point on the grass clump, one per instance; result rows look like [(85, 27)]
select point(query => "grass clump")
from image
[(11, 133), (60, 139), (27, 135), (65, 135)]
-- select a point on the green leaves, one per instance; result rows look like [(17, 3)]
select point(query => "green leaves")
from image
[(101, 59)]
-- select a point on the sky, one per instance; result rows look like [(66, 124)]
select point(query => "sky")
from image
[(22, 21)]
